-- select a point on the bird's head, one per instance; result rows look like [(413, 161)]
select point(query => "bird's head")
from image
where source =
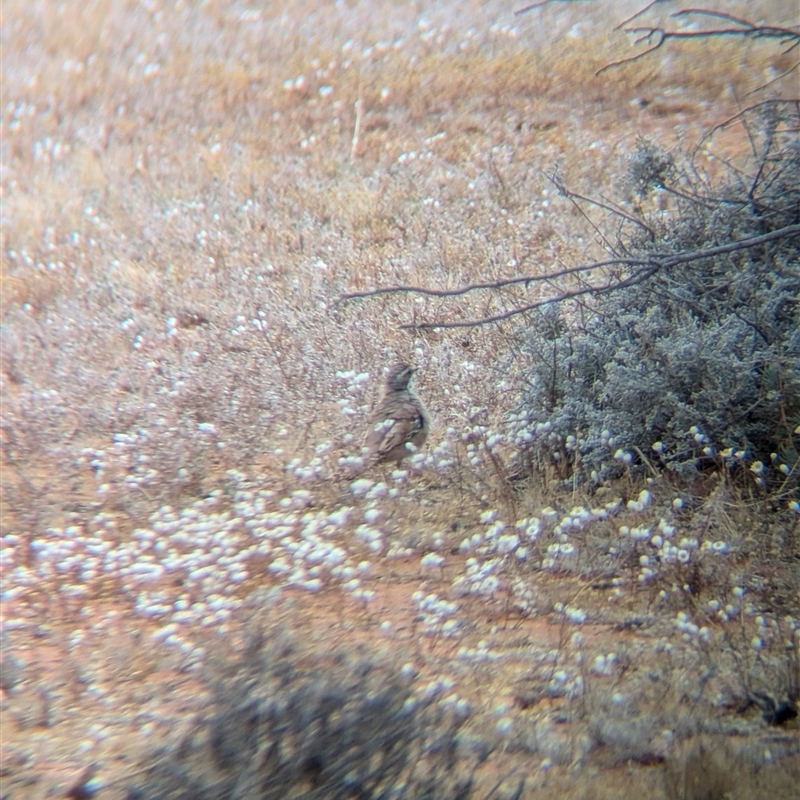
[(399, 377)]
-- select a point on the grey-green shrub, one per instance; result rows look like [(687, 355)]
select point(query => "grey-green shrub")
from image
[(701, 356)]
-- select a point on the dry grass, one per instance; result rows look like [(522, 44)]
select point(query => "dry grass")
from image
[(184, 197)]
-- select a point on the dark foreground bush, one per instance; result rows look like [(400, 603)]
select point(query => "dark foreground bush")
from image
[(694, 359), (284, 724), (716, 768)]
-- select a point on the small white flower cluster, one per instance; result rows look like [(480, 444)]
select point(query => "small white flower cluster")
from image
[(431, 691), (436, 615), (208, 550), (562, 554), (691, 631), (493, 549), (577, 616), (441, 458), (699, 441), (372, 490), (604, 665), (315, 468), (770, 632), (732, 455), (623, 456), (661, 550), (479, 578), (566, 682), (352, 404), (371, 536), (481, 652), (121, 462), (641, 502), (431, 561), (522, 429), (475, 439), (460, 706), (727, 612)]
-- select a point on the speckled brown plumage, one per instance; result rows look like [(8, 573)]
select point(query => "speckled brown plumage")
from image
[(399, 425)]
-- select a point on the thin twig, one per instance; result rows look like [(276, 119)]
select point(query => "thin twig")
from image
[(541, 4), (594, 290), (640, 13), (648, 266), (658, 260), (498, 284), (606, 206), (661, 35)]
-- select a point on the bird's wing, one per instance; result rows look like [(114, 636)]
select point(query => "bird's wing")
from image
[(390, 431)]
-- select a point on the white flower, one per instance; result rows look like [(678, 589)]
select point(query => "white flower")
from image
[(361, 486), (575, 615), (504, 725), (497, 528), (508, 543), (372, 515)]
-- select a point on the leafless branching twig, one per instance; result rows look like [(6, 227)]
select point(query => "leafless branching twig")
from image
[(656, 36), (643, 268)]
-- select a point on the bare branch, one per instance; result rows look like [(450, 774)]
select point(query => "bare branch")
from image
[(559, 184), (499, 284), (741, 244), (750, 28), (645, 267), (541, 4), (738, 117), (594, 290), (778, 77), (657, 36), (638, 56), (640, 13), (605, 205)]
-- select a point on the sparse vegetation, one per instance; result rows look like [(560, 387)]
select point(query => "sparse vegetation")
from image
[(688, 362), (339, 725), (187, 190)]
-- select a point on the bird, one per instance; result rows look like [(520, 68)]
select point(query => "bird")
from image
[(400, 423)]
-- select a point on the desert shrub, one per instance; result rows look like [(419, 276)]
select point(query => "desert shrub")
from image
[(288, 724), (700, 360)]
